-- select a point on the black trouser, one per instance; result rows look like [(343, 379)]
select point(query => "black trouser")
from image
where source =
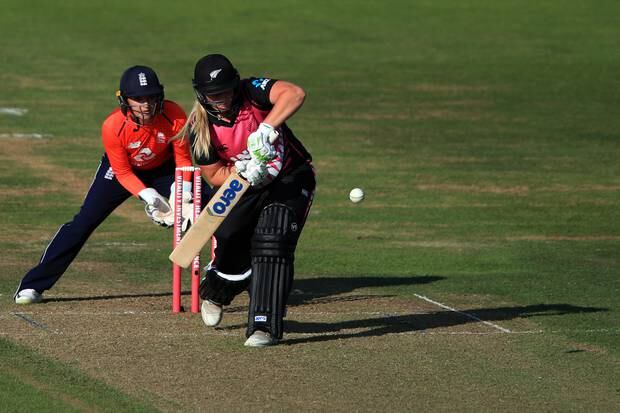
[(231, 270), (234, 236), (104, 196)]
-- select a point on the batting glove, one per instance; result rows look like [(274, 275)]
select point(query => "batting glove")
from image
[(157, 207), (254, 172), (260, 143)]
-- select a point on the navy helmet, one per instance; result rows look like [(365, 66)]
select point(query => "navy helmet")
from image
[(140, 81)]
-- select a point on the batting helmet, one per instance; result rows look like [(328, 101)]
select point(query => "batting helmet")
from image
[(215, 74)]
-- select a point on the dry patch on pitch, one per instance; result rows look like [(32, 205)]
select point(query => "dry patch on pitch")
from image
[(564, 238), (396, 115), (581, 188), (134, 343), (374, 230), (32, 156), (28, 82), (451, 160), (450, 89), (449, 114), (520, 190)]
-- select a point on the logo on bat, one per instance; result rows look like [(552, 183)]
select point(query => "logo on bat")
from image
[(221, 206)]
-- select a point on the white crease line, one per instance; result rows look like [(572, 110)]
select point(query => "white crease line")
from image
[(13, 111), (473, 317), (27, 318), (239, 333), (290, 313), (25, 135)]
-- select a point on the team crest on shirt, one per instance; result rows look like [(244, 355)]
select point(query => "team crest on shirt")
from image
[(134, 145), (161, 138)]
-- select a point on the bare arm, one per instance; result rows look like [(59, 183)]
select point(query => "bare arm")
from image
[(216, 173), (286, 98)]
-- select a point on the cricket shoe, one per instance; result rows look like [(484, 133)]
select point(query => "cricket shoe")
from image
[(260, 339), (28, 296), (211, 313)]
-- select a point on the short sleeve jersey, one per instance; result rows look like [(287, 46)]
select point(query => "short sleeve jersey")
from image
[(229, 139)]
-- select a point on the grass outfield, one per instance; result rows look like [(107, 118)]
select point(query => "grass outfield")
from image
[(482, 272)]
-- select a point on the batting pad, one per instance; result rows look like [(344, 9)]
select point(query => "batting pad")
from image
[(273, 247)]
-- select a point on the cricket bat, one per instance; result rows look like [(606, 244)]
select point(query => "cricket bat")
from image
[(209, 220)]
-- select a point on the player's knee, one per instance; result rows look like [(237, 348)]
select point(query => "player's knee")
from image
[(276, 232), (222, 288)]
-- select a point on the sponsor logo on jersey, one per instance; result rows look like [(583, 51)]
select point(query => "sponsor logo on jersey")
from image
[(259, 318), (134, 145), (144, 155), (220, 207), (260, 83), (161, 138)]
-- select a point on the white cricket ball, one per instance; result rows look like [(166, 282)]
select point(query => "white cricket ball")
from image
[(356, 195)]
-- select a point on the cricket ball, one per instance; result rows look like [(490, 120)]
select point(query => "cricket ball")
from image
[(356, 195)]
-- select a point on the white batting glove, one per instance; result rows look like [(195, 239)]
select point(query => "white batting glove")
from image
[(260, 143), (254, 172), (157, 207)]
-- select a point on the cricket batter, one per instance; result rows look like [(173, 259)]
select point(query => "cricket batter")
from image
[(230, 128), (139, 160)]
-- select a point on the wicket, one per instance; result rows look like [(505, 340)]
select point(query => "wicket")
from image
[(178, 233)]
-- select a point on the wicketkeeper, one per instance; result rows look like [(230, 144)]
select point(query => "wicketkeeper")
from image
[(139, 160)]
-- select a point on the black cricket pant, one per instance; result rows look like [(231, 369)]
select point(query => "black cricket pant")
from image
[(234, 236)]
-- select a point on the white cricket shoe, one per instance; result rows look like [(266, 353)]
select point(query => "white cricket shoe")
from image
[(28, 296), (260, 339), (211, 313)]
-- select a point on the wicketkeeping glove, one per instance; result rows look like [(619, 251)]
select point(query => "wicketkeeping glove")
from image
[(255, 172), (187, 205), (157, 207), (260, 143)]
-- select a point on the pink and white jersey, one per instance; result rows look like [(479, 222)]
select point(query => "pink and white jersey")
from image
[(230, 143), (229, 139)]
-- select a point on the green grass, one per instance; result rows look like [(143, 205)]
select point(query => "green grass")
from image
[(485, 135), (30, 382)]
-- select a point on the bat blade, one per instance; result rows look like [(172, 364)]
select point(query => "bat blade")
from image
[(209, 220)]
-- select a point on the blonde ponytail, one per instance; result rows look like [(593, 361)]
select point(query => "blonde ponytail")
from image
[(198, 125)]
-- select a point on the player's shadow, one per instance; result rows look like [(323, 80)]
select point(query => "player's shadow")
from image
[(109, 297), (329, 289), (314, 289), (379, 326)]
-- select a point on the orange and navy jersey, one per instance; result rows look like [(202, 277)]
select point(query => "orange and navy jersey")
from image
[(130, 146)]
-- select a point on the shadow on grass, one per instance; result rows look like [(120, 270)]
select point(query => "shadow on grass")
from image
[(327, 289), (380, 326), (110, 297), (304, 289)]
